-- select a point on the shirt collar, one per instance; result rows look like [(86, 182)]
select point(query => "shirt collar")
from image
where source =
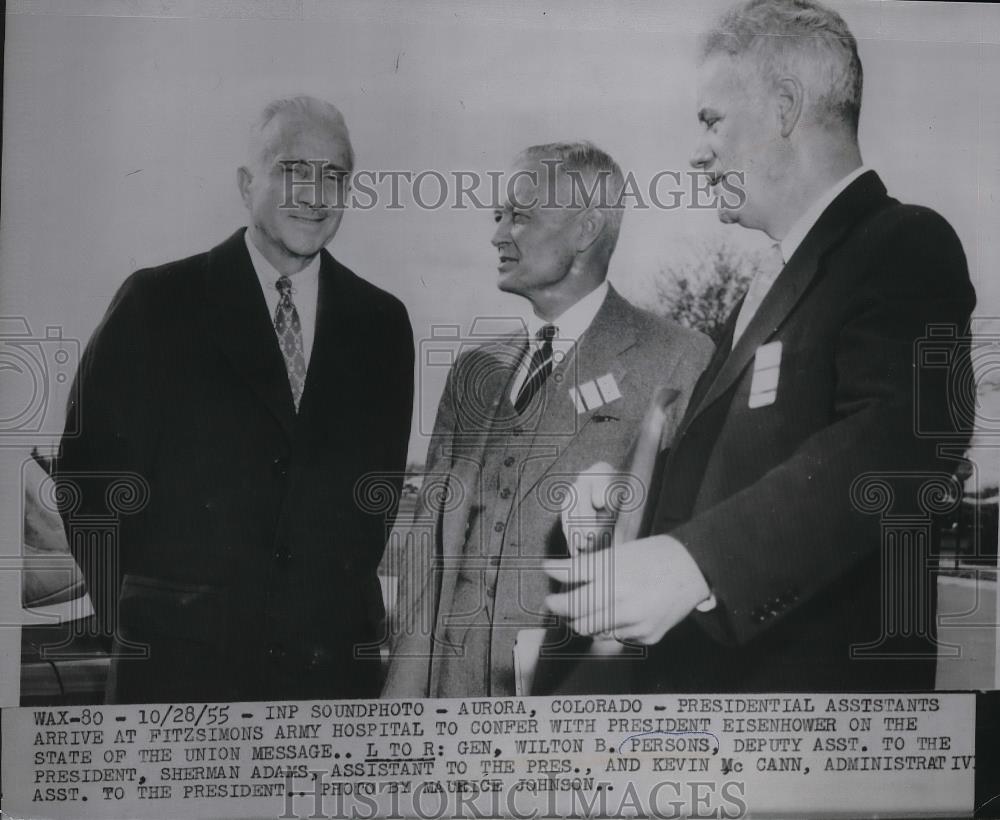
[(812, 214), (575, 320), (269, 275)]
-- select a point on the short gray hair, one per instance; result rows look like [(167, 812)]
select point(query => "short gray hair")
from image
[(797, 37), (319, 111), (592, 168)]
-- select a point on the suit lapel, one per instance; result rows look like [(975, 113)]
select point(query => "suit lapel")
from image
[(338, 344), (706, 380), (238, 321), (796, 277), (610, 334), (467, 461)]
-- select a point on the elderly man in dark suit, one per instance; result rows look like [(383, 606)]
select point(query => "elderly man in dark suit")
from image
[(519, 418), (246, 390), (764, 567)]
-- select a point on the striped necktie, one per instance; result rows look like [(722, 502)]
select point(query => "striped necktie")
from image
[(289, 330), (539, 367)]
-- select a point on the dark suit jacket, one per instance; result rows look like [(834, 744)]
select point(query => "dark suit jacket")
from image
[(642, 352), (250, 570), (763, 497)]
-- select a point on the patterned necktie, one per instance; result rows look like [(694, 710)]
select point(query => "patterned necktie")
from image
[(759, 286), (539, 367), (289, 330)]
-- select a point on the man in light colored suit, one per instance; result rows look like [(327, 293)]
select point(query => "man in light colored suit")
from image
[(519, 418), (764, 569)]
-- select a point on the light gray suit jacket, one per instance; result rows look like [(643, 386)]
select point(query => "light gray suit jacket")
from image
[(642, 352)]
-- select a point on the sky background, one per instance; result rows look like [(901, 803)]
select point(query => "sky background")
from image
[(124, 126)]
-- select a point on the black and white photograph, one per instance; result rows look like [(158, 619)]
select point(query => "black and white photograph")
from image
[(491, 350)]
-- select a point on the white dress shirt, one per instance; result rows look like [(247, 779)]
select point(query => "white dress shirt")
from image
[(764, 278), (305, 292), (572, 324)]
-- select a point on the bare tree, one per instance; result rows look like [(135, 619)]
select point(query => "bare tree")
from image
[(701, 292)]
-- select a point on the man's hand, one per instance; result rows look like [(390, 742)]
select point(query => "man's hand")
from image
[(635, 592)]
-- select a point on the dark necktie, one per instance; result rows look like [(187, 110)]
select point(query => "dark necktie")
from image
[(539, 368), (289, 330)]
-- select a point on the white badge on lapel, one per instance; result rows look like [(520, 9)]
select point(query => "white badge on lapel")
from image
[(766, 369), (595, 393)]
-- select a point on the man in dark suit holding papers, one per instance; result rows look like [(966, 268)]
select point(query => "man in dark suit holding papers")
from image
[(246, 391), (763, 568)]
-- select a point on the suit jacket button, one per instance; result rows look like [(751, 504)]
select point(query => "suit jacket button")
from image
[(505, 492), (498, 527), (282, 553), (280, 466), (509, 461), (276, 652)]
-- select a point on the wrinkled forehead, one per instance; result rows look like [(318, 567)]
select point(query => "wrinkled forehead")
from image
[(722, 78), (302, 137)]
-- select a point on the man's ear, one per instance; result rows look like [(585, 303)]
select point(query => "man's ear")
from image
[(590, 228), (243, 180), (789, 103)]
